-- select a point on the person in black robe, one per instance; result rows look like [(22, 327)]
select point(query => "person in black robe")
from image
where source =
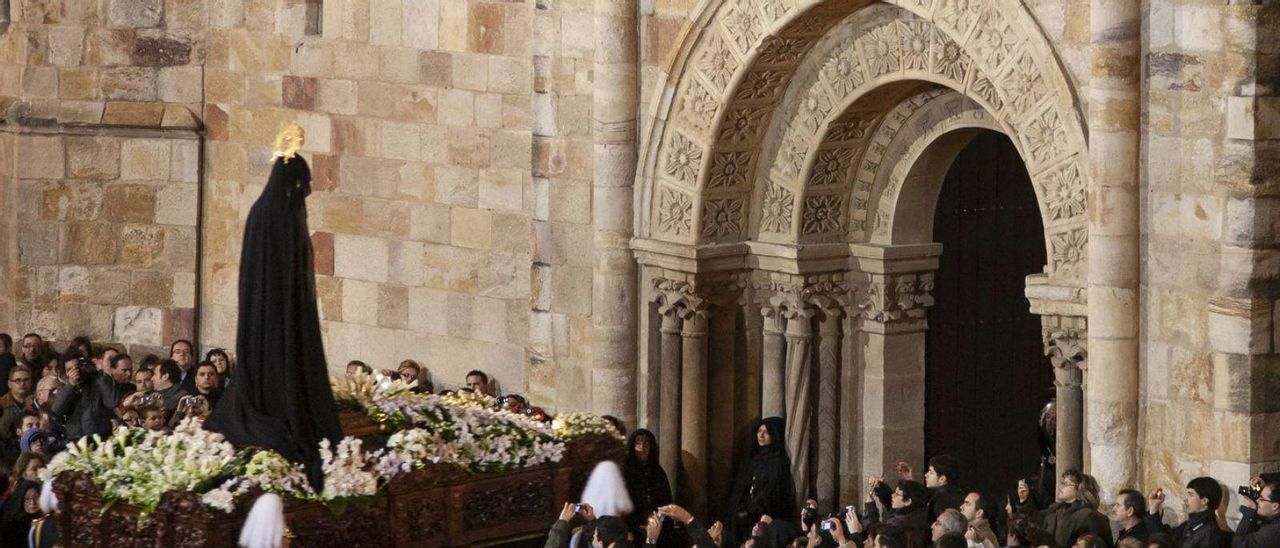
[(764, 486), (279, 396), (646, 481)]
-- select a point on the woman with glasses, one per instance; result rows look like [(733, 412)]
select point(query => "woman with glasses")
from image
[(1076, 512)]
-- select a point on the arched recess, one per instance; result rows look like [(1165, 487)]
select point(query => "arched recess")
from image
[(758, 89)]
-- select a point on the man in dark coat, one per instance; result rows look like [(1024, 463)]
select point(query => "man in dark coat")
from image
[(1200, 501), (1130, 510), (279, 396), (1260, 520), (103, 395), (941, 479)]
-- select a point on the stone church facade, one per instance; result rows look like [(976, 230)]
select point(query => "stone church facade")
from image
[(686, 214)]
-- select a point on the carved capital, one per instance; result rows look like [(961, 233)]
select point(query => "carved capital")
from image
[(697, 296), (1067, 349), (897, 297)]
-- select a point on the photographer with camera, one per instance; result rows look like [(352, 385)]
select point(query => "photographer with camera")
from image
[(67, 412), (1259, 514), (1200, 501)]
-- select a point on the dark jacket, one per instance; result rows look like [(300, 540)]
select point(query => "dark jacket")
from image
[(1199, 531), (943, 497), (558, 536), (1138, 531), (7, 362), (171, 395), (1255, 531), (100, 404), (1069, 521), (65, 412), (913, 519)]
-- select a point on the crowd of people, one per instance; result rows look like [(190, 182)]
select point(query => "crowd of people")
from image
[(763, 510), (52, 399)]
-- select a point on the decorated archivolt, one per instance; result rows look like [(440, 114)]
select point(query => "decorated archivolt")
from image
[(776, 104)]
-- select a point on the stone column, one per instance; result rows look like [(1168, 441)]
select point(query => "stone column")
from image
[(829, 335), (693, 412), (773, 385), (799, 403), (669, 398), (1114, 116), (1066, 351), (615, 102)]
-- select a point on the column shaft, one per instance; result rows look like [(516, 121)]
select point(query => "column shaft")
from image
[(615, 103), (1070, 423), (828, 408), (774, 382), (669, 403), (1114, 123), (799, 403), (693, 414)]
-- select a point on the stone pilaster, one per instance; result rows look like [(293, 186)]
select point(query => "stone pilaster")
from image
[(894, 294)]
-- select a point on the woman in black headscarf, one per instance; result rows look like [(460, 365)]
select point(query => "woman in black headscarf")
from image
[(18, 511), (764, 486), (646, 481), (279, 396)]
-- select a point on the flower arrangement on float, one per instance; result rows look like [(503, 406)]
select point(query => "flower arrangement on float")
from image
[(475, 432)]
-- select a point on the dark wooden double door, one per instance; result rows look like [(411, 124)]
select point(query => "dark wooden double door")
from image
[(986, 375)]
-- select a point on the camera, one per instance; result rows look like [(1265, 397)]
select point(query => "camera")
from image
[(577, 507), (1251, 492), (826, 526)]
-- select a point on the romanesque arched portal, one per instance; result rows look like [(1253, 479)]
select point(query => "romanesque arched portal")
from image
[(788, 180)]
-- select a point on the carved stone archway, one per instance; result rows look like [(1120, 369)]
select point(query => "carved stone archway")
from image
[(800, 145)]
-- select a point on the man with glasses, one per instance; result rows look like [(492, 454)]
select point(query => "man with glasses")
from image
[(14, 403), (32, 352), (19, 394), (1200, 502), (1260, 520)]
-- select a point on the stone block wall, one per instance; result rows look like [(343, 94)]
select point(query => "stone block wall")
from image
[(104, 225), (1209, 362)]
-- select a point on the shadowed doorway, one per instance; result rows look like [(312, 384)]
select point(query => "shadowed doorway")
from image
[(986, 375)]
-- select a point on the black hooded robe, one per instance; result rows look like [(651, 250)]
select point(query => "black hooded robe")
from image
[(279, 397), (646, 481), (764, 485)]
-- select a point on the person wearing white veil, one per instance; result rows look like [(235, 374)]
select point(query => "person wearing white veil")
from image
[(605, 494), (606, 491)]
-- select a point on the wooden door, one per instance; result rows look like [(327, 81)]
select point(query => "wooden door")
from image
[(986, 375)]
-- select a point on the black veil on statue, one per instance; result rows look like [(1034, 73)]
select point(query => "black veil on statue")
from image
[(279, 396)]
